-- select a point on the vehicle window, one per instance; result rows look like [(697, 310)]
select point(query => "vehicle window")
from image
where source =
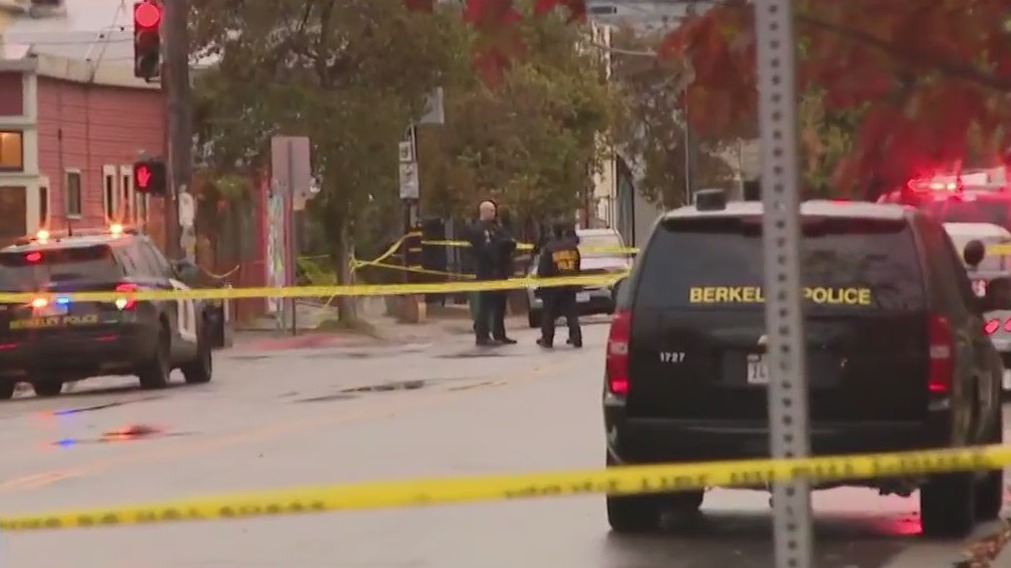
[(718, 263), (27, 271), (945, 267), (611, 242), (142, 265), (993, 211), (157, 261)]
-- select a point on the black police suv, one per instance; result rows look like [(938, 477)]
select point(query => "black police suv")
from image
[(55, 339), (896, 353)]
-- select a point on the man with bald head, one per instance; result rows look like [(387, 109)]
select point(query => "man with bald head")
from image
[(492, 247)]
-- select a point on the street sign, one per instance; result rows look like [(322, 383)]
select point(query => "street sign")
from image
[(409, 182), (187, 209), (291, 163), (435, 108), (406, 149)]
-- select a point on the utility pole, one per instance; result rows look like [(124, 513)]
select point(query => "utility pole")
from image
[(176, 86)]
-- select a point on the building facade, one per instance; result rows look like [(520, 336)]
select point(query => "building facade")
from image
[(69, 133)]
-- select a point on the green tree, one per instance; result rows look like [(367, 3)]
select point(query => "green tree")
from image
[(534, 139), (350, 74), (653, 130)]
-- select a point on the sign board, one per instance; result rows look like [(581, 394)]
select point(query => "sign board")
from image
[(409, 182), (435, 108), (406, 150), (291, 163), (187, 209)]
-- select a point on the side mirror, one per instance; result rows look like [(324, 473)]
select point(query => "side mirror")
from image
[(998, 294), (973, 253)]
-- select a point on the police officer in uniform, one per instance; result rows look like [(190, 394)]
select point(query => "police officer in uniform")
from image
[(490, 244), (560, 257)]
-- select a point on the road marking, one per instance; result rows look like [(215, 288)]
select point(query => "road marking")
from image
[(39, 480)]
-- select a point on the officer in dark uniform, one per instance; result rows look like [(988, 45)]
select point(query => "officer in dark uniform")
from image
[(560, 257), (490, 243)]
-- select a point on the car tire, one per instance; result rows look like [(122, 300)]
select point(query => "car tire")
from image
[(990, 489), (155, 373), (947, 505), (7, 390), (633, 514), (534, 318), (47, 389), (201, 369)]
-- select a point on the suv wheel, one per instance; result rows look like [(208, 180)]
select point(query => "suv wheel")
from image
[(47, 388), (947, 505), (990, 491), (534, 318), (201, 369), (631, 514), (155, 373), (7, 389)]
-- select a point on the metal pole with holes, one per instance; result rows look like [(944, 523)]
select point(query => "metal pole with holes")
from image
[(788, 415)]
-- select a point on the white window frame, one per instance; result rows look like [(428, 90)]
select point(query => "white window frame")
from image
[(136, 204), (110, 194), (79, 214)]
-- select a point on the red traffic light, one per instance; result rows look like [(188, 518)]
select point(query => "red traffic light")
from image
[(143, 177), (146, 15)]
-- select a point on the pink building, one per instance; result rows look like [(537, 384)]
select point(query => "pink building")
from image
[(69, 132)]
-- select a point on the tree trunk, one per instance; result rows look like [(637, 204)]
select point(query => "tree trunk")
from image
[(347, 306)]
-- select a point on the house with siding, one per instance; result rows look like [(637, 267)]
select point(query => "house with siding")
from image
[(73, 119)]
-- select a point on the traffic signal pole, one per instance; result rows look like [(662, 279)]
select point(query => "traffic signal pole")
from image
[(784, 318), (176, 86)]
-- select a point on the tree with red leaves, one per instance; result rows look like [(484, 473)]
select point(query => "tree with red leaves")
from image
[(928, 78)]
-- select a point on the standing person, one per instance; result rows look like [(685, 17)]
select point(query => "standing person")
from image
[(560, 257), (503, 271), (487, 241)]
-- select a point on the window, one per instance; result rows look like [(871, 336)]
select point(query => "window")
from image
[(110, 197), (726, 253), (27, 272), (43, 205), (157, 261), (13, 211), (72, 197), (11, 151), (595, 242)]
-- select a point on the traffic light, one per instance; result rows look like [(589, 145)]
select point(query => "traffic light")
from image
[(150, 177), (147, 18)]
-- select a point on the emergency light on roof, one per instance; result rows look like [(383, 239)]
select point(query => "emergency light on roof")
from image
[(44, 235), (933, 185)]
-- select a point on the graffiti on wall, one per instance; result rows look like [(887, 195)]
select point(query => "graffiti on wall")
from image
[(276, 270)]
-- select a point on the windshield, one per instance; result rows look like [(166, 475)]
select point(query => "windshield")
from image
[(29, 271), (718, 263), (600, 246)]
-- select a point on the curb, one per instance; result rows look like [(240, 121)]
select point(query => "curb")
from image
[(990, 549), (313, 340)]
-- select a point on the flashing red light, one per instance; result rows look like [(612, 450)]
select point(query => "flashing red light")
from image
[(33, 256), (991, 327), (146, 15), (39, 303), (126, 303)]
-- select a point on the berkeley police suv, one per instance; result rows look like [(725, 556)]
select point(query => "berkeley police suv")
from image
[(54, 339), (896, 353)]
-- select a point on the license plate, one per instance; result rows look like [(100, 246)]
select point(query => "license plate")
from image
[(758, 372), (979, 287), (582, 297)]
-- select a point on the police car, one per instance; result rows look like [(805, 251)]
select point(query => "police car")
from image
[(995, 264), (897, 358), (54, 339)]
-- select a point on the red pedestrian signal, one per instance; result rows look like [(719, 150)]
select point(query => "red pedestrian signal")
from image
[(150, 177), (147, 18)]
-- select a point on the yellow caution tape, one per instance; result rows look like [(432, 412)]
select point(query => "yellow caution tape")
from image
[(612, 481), (529, 246), (999, 249), (319, 291)]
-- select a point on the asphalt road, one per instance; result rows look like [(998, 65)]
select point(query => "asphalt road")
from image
[(274, 419)]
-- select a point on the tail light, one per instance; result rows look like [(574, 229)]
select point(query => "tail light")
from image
[(126, 303), (1007, 325), (617, 352), (992, 326), (942, 355)]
